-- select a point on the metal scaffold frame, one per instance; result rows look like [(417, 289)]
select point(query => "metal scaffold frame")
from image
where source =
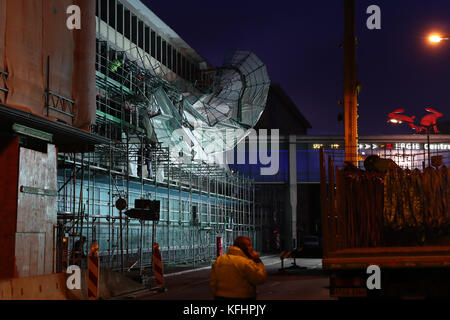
[(199, 201)]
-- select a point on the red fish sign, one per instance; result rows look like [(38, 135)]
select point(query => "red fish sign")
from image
[(428, 121)]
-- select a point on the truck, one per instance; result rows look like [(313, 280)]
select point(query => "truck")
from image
[(397, 221)]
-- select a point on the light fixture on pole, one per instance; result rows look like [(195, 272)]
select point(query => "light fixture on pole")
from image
[(436, 38), (428, 121)]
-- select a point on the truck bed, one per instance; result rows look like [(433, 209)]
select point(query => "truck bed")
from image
[(388, 257)]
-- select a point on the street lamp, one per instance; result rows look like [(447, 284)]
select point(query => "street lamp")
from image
[(436, 38), (395, 121)]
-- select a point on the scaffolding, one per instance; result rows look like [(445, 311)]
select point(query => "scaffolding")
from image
[(199, 201)]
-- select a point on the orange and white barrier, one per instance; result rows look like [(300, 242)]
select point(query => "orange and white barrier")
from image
[(157, 266), (93, 273), (285, 254), (219, 246)]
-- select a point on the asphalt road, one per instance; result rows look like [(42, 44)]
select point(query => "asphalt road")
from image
[(309, 283)]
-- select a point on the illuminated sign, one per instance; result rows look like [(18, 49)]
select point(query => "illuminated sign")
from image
[(408, 146), (422, 146), (370, 146), (440, 146), (389, 146)]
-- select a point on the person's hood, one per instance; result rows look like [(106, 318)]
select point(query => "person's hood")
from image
[(236, 251)]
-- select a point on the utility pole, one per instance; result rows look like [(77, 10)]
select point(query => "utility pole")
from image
[(350, 84)]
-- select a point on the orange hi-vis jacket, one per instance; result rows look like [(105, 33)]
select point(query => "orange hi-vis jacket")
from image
[(234, 275)]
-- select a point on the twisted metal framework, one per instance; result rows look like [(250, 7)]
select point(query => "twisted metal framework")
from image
[(137, 104)]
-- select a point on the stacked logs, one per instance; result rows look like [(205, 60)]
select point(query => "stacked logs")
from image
[(359, 199), (372, 209), (417, 200)]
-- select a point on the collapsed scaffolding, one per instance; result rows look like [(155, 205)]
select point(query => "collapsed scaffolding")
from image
[(200, 200)]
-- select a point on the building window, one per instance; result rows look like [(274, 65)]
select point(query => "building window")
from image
[(158, 48), (174, 60), (192, 72), (134, 29), (183, 66), (119, 18), (169, 57), (197, 74), (112, 13), (179, 63), (127, 24), (164, 52), (141, 34), (147, 40), (153, 46), (104, 10), (188, 70)]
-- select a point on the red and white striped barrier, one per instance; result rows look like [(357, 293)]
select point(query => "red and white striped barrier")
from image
[(93, 273), (157, 266), (219, 246)]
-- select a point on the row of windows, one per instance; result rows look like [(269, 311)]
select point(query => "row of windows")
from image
[(125, 22)]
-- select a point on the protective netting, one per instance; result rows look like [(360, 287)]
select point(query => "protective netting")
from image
[(24, 58), (58, 45), (84, 68), (43, 64)]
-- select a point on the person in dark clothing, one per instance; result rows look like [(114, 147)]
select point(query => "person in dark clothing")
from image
[(146, 152), (78, 253)]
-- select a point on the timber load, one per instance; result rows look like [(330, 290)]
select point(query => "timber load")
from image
[(397, 207)]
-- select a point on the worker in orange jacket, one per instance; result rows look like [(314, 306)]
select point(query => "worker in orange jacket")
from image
[(236, 274)]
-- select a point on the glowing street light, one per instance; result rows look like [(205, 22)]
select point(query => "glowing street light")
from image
[(394, 121), (435, 38)]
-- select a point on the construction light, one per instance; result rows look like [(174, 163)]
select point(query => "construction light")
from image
[(394, 121), (94, 249)]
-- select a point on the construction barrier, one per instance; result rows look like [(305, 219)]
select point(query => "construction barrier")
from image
[(285, 254), (219, 246), (290, 254), (93, 273), (157, 266)]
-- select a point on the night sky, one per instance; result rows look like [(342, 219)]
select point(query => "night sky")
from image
[(299, 43)]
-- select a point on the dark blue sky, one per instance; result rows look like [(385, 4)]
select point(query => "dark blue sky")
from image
[(299, 43)]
